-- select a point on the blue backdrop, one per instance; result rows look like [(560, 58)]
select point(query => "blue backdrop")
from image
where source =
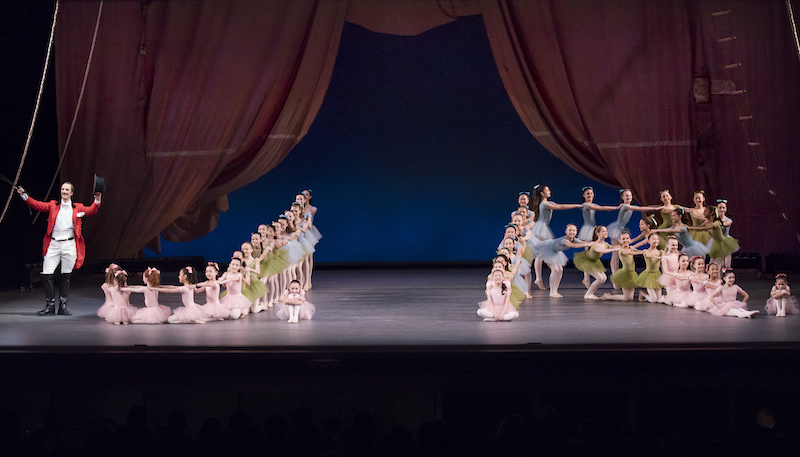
[(417, 154)]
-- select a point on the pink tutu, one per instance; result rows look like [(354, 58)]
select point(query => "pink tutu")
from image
[(104, 309), (213, 308), (666, 280), (120, 314), (151, 315), (722, 309), (237, 301), (189, 314), (791, 306), (307, 311), (706, 304)]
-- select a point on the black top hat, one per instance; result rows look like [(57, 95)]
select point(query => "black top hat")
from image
[(99, 184)]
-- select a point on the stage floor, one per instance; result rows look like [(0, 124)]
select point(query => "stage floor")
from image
[(427, 310)]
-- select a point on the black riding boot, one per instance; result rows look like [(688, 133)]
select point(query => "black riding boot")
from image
[(49, 296), (63, 291)]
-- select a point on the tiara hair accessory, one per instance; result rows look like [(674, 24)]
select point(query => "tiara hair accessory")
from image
[(214, 264), (524, 192), (120, 272), (780, 275), (624, 190), (585, 188), (722, 200), (701, 191)]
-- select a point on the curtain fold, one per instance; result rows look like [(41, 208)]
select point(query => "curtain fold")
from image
[(188, 101)]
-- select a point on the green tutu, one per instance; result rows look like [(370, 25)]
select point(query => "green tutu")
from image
[(586, 264), (264, 269), (723, 248), (625, 279), (517, 295), (255, 290), (528, 254), (649, 280), (278, 262)]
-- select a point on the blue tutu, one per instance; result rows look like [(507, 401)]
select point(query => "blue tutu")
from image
[(548, 254)]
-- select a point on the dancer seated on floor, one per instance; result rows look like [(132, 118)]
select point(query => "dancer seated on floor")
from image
[(781, 302), (728, 293), (153, 312), (109, 283), (589, 261), (293, 306), (626, 277), (552, 253), (712, 283), (238, 304), (497, 306), (122, 311), (213, 308), (678, 296), (190, 312), (698, 277)]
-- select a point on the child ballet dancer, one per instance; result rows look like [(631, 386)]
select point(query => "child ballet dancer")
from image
[(722, 245), (213, 308), (588, 261), (690, 247), (616, 228), (725, 222), (153, 312), (293, 306), (712, 283), (497, 306), (678, 295), (503, 259), (309, 214), (256, 289), (552, 253), (522, 267), (190, 312), (698, 278), (238, 304), (588, 209), (626, 277), (781, 302), (648, 279), (669, 265), (108, 284), (699, 217), (728, 293), (667, 207), (122, 311), (543, 209)]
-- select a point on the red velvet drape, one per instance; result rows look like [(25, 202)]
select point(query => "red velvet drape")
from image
[(607, 87), (189, 100), (185, 102)]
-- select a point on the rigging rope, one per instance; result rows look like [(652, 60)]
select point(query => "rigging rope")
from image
[(80, 100), (35, 114)]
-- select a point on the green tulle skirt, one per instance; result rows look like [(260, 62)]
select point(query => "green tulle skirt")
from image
[(723, 248), (255, 290), (649, 280), (584, 263), (625, 279), (517, 295)]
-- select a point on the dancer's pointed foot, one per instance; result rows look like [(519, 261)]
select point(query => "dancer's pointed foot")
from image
[(540, 284), (555, 295)]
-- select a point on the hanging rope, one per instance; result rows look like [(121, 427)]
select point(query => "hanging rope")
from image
[(35, 115), (78, 106), (794, 26)]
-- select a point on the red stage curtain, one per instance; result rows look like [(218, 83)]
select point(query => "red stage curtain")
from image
[(189, 100), (607, 87), (185, 102)]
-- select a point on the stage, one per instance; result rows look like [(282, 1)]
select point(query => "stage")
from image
[(399, 310), (407, 346)]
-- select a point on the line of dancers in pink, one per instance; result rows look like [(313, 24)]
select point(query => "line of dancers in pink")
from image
[(272, 270), (675, 257)]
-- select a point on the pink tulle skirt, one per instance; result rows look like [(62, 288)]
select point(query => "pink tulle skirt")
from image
[(120, 314), (667, 280), (693, 298), (722, 310), (678, 296), (307, 311), (101, 311), (235, 302), (189, 314), (151, 315), (706, 304), (791, 306), (216, 310)]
